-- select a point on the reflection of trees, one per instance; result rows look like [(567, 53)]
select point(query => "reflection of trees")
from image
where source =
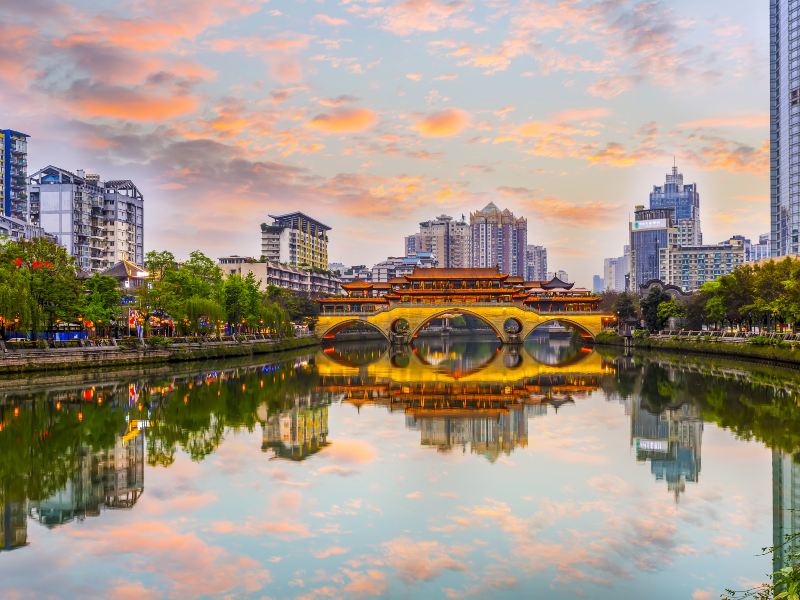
[(41, 445), (44, 436), (198, 411), (752, 405)]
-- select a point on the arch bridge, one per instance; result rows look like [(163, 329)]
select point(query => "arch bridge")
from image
[(400, 308), (400, 324)]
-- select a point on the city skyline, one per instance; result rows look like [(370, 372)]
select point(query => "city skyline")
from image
[(374, 118)]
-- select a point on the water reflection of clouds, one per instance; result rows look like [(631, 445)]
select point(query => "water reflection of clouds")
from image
[(572, 513)]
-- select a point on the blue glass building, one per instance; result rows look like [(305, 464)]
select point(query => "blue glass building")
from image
[(649, 233), (13, 174), (681, 198)]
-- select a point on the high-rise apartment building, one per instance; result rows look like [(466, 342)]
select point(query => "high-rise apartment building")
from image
[(755, 252), (616, 271), (784, 104), (398, 266), (684, 200), (13, 174), (99, 223), (535, 263), (295, 239), (499, 239), (761, 250), (689, 267), (449, 241), (649, 233)]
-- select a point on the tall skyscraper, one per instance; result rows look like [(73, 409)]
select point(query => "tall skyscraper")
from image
[(295, 239), (535, 263), (784, 103), (99, 223), (785, 508), (684, 200), (13, 174), (649, 234), (448, 240), (499, 239)]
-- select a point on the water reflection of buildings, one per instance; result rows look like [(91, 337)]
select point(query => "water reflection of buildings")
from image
[(13, 525), (670, 441), (481, 398), (785, 509), (111, 478), (489, 432), (297, 432)]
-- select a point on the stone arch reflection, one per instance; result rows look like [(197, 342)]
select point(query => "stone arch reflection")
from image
[(458, 356), (556, 344)]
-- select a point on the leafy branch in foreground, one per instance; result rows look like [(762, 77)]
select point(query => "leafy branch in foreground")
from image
[(785, 584)]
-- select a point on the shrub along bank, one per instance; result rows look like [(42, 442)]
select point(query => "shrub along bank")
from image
[(755, 348)]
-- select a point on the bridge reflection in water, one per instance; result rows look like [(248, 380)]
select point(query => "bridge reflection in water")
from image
[(463, 393)]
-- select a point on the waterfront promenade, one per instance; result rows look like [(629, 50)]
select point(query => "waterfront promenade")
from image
[(135, 351)]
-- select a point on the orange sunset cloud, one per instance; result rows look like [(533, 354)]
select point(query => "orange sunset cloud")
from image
[(444, 123), (344, 120)]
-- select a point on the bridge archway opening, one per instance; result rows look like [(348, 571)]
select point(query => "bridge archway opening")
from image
[(558, 327), (355, 326), (455, 321)]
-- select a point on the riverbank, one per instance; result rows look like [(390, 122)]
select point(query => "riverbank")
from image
[(788, 354), (54, 359)]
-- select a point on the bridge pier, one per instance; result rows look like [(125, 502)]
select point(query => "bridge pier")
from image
[(399, 339)]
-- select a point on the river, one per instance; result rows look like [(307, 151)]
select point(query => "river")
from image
[(457, 469)]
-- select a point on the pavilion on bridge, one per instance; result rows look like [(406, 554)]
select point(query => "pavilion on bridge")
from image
[(461, 287)]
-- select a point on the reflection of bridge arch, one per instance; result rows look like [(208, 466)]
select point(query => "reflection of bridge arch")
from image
[(578, 357), (414, 370), (331, 331), (459, 374), (457, 311)]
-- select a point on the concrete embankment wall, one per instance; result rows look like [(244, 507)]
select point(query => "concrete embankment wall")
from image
[(770, 354), (20, 361)]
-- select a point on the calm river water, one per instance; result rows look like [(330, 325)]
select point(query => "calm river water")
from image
[(458, 469)]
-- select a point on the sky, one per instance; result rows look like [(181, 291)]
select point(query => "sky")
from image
[(372, 115)]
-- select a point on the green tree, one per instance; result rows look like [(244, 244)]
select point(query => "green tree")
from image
[(625, 307), (650, 304), (102, 300), (49, 277)]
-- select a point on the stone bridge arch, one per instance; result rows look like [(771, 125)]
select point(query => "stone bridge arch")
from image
[(329, 331), (583, 325), (417, 327)]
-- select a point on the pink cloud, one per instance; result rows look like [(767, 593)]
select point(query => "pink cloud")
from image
[(187, 565), (743, 121), (423, 560), (424, 16), (344, 120), (351, 452), (328, 20), (332, 551), (444, 123)]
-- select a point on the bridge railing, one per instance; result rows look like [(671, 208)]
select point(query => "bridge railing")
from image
[(455, 307)]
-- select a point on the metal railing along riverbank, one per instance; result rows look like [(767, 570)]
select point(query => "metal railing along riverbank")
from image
[(724, 336)]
